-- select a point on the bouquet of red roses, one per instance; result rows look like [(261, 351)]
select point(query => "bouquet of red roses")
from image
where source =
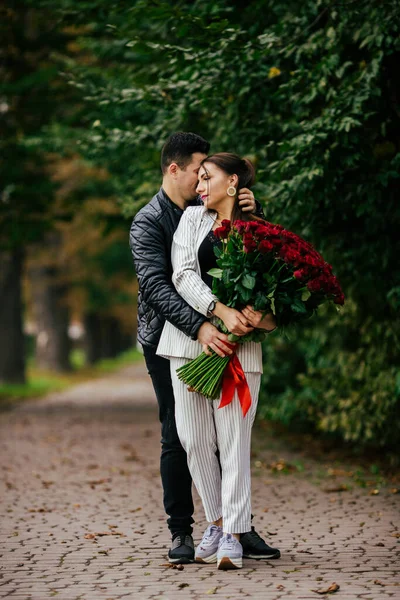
[(272, 269)]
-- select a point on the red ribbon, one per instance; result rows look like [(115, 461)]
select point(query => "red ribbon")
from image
[(234, 378)]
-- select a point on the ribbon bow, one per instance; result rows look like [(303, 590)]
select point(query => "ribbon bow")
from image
[(234, 378)]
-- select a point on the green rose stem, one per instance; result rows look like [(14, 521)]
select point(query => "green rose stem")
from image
[(204, 374)]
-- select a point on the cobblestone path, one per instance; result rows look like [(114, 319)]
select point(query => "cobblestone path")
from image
[(81, 514)]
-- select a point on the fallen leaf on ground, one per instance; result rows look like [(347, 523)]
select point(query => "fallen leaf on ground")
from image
[(374, 492), (334, 587), (126, 447), (339, 473), (212, 591), (172, 566), (394, 490), (124, 472), (183, 585), (93, 536), (99, 481), (377, 582), (272, 532), (132, 456), (280, 587), (380, 544), (337, 488), (282, 465)]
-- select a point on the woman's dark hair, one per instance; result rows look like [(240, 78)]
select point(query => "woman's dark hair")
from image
[(232, 164), (179, 148)]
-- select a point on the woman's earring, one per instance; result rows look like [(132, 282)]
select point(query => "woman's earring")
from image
[(231, 191)]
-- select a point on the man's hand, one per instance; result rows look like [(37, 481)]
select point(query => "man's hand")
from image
[(212, 339), (246, 200), (256, 319)]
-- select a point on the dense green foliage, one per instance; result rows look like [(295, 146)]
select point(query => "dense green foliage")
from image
[(309, 91), (336, 377)]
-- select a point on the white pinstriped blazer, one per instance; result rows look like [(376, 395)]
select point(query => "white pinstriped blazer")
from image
[(194, 225)]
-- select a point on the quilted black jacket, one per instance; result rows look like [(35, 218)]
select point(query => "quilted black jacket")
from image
[(151, 240)]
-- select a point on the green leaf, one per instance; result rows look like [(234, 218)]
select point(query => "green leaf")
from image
[(215, 273), (298, 306), (305, 295), (248, 281)]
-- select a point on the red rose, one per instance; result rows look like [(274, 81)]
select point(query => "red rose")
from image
[(339, 299), (275, 230), (290, 255), (299, 274), (249, 243), (310, 260), (251, 226), (277, 242), (314, 285), (240, 226), (265, 246), (262, 231), (223, 232)]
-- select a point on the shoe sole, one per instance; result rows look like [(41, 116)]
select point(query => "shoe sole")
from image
[(262, 556), (226, 563), (180, 561), (206, 559)]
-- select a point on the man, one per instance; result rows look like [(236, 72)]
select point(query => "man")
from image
[(151, 240)]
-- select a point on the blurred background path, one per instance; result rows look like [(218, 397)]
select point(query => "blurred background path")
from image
[(82, 519)]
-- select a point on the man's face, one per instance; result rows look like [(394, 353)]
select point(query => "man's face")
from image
[(187, 178)]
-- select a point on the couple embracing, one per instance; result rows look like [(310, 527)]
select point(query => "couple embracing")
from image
[(172, 241)]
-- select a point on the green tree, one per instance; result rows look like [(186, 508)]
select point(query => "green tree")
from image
[(310, 92), (26, 102)]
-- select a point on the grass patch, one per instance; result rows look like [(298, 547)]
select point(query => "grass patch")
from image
[(40, 383)]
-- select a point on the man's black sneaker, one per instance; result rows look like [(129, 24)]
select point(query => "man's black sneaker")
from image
[(182, 549), (255, 547)]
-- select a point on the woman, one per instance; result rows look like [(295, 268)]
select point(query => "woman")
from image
[(224, 486)]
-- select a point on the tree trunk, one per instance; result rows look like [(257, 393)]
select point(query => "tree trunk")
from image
[(104, 338), (92, 323), (52, 318), (12, 351), (109, 337)]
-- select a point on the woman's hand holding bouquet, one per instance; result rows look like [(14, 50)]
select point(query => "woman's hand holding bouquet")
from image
[(234, 320), (258, 320)]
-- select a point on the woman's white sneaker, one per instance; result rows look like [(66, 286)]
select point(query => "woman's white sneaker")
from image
[(206, 551), (230, 553)]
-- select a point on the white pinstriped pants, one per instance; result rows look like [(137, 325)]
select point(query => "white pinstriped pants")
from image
[(202, 427)]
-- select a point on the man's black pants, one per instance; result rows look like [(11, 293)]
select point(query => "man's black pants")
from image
[(175, 476)]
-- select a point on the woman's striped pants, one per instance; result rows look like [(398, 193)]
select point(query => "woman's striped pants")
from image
[(202, 428)]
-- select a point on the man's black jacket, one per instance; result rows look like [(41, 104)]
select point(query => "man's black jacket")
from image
[(151, 240)]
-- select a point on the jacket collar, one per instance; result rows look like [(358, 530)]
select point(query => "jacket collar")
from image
[(165, 199)]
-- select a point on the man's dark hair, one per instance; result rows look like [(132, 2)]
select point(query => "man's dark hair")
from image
[(179, 148)]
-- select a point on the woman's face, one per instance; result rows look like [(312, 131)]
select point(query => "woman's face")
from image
[(212, 186)]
